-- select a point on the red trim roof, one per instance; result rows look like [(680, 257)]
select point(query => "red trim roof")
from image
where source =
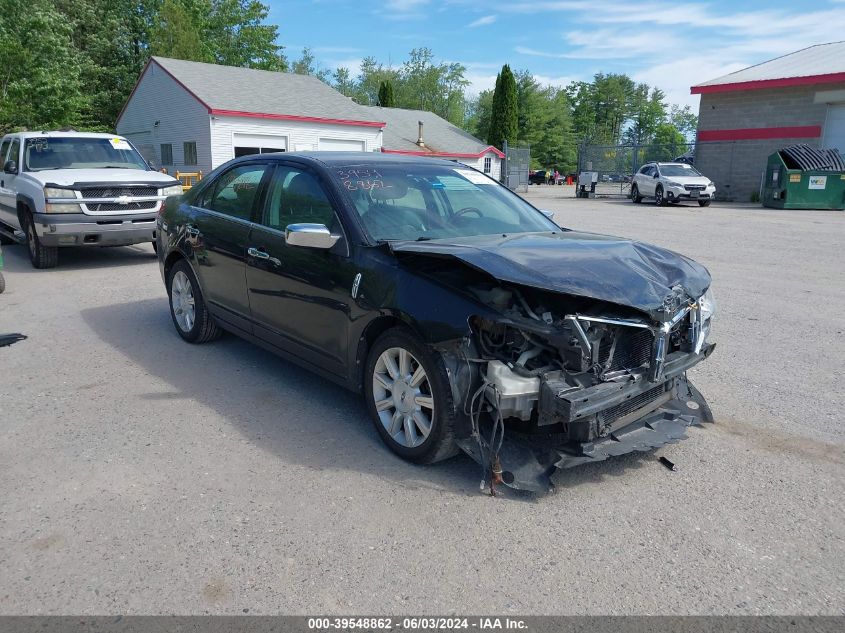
[(294, 117), (257, 115), (758, 133), (761, 84), (407, 152)]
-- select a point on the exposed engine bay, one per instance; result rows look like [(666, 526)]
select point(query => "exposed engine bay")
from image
[(559, 380)]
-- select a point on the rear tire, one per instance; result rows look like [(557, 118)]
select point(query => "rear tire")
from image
[(636, 198), (704, 203), (659, 198), (409, 398), (187, 306), (2, 283), (41, 256)]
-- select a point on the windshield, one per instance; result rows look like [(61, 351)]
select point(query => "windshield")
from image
[(46, 152), (679, 170), (411, 202)]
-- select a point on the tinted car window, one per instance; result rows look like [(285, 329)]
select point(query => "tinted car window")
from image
[(296, 197), (235, 191), (3, 149)]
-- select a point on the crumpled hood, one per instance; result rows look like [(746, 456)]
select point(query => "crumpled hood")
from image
[(600, 267), (71, 177)]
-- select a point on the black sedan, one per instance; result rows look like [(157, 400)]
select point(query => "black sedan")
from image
[(467, 318)]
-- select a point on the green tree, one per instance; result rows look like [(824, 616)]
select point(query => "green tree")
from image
[(422, 84), (177, 31), (478, 112), (386, 98), (307, 65), (40, 85), (342, 81), (684, 120), (370, 78), (504, 118), (667, 143)]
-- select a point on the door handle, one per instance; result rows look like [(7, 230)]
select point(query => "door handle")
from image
[(260, 253), (190, 229)]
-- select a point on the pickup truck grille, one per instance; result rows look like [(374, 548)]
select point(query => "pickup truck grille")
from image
[(114, 206), (117, 190)]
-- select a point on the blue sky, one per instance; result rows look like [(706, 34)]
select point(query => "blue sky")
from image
[(672, 45)]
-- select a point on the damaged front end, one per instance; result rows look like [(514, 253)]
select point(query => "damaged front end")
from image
[(559, 380)]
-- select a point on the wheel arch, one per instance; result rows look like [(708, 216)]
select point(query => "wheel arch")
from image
[(375, 328)]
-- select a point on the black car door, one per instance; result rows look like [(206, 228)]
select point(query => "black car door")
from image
[(300, 296), (217, 230)]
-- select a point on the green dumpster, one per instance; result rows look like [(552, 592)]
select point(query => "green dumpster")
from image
[(803, 177)]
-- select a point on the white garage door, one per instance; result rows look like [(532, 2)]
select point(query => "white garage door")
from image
[(246, 144), (340, 145), (834, 127)]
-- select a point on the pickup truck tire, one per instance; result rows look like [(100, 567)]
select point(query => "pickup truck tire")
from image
[(185, 295), (41, 256)]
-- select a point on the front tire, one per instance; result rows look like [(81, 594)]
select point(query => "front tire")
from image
[(704, 203), (636, 198), (187, 306), (41, 256), (659, 198), (409, 398)]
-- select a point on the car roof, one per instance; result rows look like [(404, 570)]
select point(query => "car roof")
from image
[(357, 158), (64, 134), (672, 163)]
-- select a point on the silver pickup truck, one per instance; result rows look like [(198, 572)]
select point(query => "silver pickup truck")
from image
[(77, 189)]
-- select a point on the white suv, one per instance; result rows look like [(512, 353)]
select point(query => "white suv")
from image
[(77, 189), (671, 182)]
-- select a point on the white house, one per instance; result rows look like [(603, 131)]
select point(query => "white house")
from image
[(191, 116)]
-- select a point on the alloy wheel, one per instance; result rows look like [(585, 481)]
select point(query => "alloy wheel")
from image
[(182, 301), (403, 398)]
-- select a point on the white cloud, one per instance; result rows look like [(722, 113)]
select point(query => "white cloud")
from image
[(533, 52), (483, 21)]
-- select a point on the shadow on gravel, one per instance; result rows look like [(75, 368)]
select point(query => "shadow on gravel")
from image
[(284, 409), (16, 258)]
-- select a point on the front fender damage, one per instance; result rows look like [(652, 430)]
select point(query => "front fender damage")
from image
[(537, 390)]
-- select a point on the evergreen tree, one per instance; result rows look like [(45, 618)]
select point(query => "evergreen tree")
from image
[(504, 120), (386, 98)]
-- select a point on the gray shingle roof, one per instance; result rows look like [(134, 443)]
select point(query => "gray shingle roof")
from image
[(263, 91), (439, 135), (821, 59)]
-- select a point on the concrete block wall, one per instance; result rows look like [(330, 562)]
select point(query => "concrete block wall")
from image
[(736, 166)]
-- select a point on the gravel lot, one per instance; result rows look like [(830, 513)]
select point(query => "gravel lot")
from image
[(144, 475)]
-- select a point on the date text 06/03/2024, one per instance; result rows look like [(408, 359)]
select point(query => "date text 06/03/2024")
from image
[(415, 624)]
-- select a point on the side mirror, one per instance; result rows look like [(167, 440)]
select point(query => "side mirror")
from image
[(11, 167), (310, 236), (657, 175)]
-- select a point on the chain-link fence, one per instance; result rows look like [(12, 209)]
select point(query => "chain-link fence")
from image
[(616, 164), (515, 168)]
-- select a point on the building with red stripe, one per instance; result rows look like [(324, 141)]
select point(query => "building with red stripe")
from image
[(192, 116), (748, 114)]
